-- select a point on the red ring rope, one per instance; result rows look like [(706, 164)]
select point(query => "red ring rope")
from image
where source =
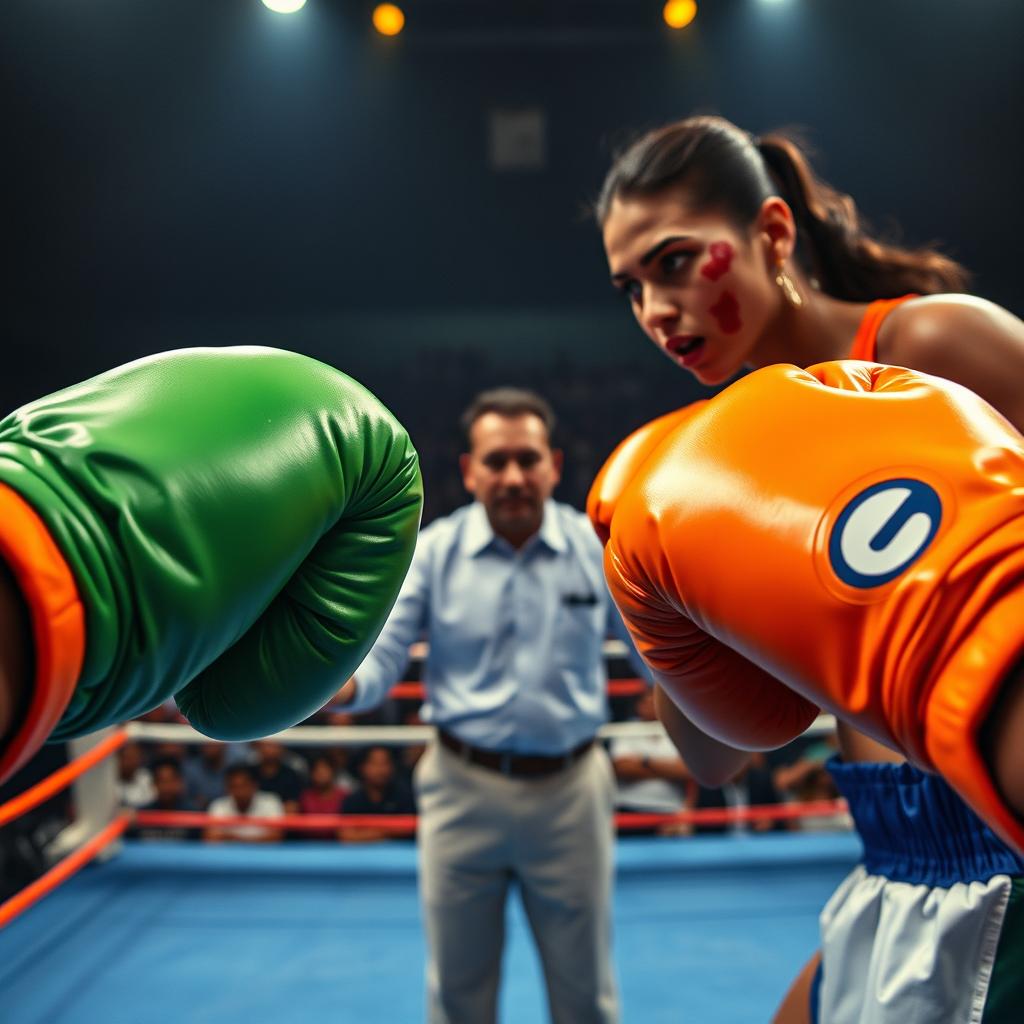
[(405, 824), (616, 688)]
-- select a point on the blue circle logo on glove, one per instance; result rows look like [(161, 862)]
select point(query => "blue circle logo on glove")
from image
[(883, 530)]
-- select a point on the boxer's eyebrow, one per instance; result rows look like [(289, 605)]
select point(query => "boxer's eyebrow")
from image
[(651, 254), (648, 256)]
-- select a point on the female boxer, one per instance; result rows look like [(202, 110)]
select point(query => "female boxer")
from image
[(733, 254)]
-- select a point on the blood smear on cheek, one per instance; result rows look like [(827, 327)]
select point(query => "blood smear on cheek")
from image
[(721, 260), (727, 312)]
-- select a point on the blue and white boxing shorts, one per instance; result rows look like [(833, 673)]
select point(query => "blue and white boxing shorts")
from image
[(929, 928)]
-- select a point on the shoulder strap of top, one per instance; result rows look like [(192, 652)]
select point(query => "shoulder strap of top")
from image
[(866, 339)]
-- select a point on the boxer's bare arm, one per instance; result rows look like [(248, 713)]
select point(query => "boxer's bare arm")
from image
[(712, 763), (1002, 740), (15, 654), (855, 746)]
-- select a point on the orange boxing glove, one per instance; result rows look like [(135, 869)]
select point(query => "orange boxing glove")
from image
[(777, 715), (857, 531), (624, 463)]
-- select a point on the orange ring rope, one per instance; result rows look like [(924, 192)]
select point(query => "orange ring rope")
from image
[(61, 778), (61, 871)]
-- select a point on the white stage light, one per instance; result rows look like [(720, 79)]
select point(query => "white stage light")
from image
[(284, 6)]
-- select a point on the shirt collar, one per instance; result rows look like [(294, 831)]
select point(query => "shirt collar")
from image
[(551, 532), (479, 535)]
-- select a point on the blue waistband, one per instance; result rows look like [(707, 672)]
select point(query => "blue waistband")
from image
[(916, 829)]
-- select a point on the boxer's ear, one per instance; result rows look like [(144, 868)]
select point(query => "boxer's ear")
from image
[(776, 228)]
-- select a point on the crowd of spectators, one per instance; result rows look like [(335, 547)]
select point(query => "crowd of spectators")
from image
[(266, 779), (654, 780), (262, 780)]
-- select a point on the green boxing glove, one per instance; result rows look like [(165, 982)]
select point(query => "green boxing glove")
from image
[(231, 526)]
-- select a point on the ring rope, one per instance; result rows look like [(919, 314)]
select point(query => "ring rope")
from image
[(392, 824), (61, 871), (616, 688), (390, 735), (405, 824), (63, 777)]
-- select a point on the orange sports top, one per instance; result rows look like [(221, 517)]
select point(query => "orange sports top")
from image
[(865, 341)]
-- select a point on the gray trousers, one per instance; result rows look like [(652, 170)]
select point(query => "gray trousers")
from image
[(478, 832)]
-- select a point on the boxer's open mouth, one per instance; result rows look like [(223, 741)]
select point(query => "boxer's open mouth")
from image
[(686, 348), (682, 344)]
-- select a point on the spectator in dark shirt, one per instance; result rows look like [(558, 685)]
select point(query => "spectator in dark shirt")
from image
[(379, 792), (169, 783), (276, 775), (204, 773)]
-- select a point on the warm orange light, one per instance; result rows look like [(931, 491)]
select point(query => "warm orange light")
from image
[(388, 19), (679, 13)]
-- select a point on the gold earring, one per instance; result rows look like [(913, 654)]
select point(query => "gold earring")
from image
[(789, 290)]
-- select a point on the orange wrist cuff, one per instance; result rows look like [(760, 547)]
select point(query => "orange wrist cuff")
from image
[(957, 707), (58, 624)]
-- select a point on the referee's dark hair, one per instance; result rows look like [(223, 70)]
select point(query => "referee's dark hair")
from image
[(508, 402)]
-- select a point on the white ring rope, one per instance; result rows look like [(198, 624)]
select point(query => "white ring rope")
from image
[(390, 735)]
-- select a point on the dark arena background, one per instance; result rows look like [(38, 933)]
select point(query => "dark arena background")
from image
[(407, 195), (413, 210)]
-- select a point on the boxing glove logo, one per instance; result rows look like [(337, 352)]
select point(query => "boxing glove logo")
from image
[(883, 530)]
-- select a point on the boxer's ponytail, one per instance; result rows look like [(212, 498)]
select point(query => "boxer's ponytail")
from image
[(720, 166), (835, 247)]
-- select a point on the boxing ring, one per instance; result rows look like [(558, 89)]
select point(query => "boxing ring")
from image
[(706, 929)]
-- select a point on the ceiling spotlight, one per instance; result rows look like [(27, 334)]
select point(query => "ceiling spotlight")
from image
[(679, 13), (284, 6), (388, 19)]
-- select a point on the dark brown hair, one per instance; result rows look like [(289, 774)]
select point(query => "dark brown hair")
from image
[(720, 166), (508, 402)]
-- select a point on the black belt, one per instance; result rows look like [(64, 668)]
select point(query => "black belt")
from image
[(523, 765)]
